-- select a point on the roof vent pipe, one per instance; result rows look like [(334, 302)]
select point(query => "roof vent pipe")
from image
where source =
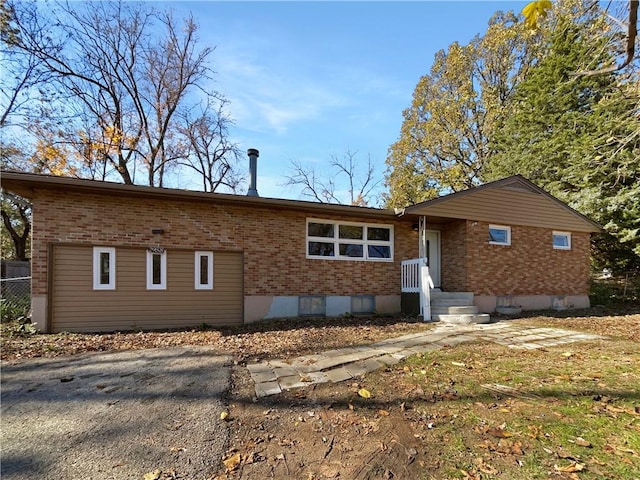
[(253, 160)]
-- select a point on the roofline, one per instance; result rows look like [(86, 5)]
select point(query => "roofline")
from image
[(24, 184), (497, 183)]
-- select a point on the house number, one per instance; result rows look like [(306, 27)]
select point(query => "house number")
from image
[(156, 249)]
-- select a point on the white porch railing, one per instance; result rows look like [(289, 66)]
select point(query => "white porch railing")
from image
[(411, 274), (416, 279)]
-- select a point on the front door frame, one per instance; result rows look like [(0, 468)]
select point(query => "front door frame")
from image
[(430, 248)]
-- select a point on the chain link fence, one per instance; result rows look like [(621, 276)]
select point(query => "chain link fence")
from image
[(15, 298)]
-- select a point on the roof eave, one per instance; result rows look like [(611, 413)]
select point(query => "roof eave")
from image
[(25, 184)]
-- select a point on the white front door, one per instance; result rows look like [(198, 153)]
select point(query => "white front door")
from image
[(432, 250)]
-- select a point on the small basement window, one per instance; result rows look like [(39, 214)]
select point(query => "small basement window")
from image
[(104, 268), (499, 235), (157, 269), (362, 304), (204, 271), (562, 240), (312, 305)]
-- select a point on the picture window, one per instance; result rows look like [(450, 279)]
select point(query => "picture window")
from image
[(349, 241)]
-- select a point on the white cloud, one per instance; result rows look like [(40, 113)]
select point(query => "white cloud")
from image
[(262, 97)]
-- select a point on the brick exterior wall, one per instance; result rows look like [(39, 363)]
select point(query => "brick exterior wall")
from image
[(453, 271), (273, 241), (529, 266)]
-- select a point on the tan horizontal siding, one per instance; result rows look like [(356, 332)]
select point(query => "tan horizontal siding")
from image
[(77, 307), (511, 207)]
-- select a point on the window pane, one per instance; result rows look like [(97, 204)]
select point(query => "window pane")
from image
[(321, 249), (104, 268), (375, 233), (312, 305), (320, 229), (498, 235), (561, 240), (362, 304), (157, 269), (351, 232), (379, 251), (351, 250), (204, 270)]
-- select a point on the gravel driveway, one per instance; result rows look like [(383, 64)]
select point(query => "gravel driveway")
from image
[(115, 415)]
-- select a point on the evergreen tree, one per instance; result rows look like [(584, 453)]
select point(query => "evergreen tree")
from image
[(576, 135)]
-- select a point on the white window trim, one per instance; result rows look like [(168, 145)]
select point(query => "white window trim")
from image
[(561, 247), (209, 284), (163, 270), (501, 227), (97, 251), (336, 241)]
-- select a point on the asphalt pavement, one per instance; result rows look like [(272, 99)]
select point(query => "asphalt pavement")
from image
[(115, 415)]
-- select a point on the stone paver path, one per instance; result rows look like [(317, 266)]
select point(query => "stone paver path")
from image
[(273, 376)]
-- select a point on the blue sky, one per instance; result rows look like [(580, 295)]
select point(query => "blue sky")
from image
[(308, 80)]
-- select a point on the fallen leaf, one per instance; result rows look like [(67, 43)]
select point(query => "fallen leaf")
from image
[(485, 467), (509, 447), (155, 475), (562, 453), (571, 468), (499, 432), (459, 364), (470, 475), (231, 463), (583, 443), (384, 413), (364, 393), (224, 415)]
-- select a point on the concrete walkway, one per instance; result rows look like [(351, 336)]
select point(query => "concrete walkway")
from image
[(273, 376)]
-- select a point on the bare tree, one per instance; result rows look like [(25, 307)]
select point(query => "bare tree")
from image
[(21, 71), (209, 151), (122, 71), (360, 183)]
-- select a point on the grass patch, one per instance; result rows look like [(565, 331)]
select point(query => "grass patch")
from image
[(485, 411)]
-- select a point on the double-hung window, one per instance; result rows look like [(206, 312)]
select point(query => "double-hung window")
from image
[(104, 268), (204, 271), (349, 241), (156, 269)]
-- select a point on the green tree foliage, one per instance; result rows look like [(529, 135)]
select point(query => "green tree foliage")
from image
[(15, 227), (577, 135), (444, 139)]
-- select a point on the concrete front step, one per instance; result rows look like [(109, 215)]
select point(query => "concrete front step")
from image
[(451, 302), (461, 319), (467, 296), (455, 310)]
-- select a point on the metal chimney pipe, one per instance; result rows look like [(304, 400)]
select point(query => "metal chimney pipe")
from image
[(253, 161)]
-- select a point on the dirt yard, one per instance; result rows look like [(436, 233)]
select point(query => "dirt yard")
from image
[(427, 417)]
